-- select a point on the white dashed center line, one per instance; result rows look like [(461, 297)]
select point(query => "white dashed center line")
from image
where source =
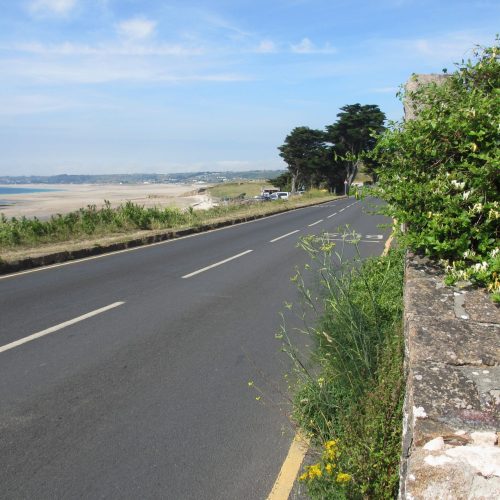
[(60, 326), (314, 223), (285, 235), (332, 215), (216, 264)]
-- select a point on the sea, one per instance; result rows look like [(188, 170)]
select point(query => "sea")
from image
[(19, 190)]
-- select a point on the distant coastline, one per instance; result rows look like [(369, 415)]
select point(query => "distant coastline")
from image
[(44, 200), (142, 178), (19, 190)]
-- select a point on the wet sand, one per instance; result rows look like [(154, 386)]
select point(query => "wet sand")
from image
[(70, 197)]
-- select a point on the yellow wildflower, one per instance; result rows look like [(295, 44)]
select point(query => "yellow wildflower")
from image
[(304, 477), (315, 471), (342, 477), (331, 444), (329, 468), (331, 451)]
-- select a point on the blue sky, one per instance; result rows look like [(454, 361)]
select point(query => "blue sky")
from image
[(122, 86)]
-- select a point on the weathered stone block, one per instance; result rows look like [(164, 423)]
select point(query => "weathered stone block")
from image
[(453, 341), (452, 404), (426, 298)]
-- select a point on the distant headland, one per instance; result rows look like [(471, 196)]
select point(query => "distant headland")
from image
[(171, 178)]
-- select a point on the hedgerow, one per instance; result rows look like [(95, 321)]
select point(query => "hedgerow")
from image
[(440, 171)]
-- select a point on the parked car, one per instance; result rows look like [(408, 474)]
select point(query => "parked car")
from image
[(283, 195), (280, 195)]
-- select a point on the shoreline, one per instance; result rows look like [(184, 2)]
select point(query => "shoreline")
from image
[(65, 198)]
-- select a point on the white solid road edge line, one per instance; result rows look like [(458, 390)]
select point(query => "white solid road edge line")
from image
[(285, 235), (149, 245), (216, 264), (60, 326), (290, 468)]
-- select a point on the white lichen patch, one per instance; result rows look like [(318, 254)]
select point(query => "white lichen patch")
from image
[(484, 438), (419, 412), (485, 460), (437, 461), (435, 444)]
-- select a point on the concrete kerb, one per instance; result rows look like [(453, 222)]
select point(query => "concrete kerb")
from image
[(67, 255)]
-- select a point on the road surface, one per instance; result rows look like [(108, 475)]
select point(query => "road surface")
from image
[(126, 375)]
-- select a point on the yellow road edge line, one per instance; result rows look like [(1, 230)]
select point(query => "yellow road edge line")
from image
[(387, 245), (290, 468)]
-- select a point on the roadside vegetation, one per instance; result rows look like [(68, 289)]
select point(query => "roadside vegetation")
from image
[(92, 223), (440, 173), (237, 189), (350, 402)]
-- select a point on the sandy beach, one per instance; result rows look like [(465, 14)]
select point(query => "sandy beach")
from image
[(69, 197)]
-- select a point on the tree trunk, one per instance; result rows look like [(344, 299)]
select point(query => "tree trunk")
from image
[(294, 181)]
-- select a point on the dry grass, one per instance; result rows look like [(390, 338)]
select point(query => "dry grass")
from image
[(241, 211), (234, 189)]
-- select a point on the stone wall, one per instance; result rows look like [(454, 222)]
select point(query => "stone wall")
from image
[(413, 84), (450, 448)]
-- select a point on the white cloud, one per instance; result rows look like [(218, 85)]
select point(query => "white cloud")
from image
[(32, 104), (72, 49), (266, 47), (52, 7), (109, 70), (305, 46), (137, 28), (445, 48)]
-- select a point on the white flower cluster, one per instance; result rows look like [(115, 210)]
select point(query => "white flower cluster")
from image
[(480, 266), (458, 185), (469, 254)]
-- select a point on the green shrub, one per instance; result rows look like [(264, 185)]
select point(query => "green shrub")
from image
[(440, 173)]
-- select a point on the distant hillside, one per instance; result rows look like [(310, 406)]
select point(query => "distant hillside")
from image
[(186, 177)]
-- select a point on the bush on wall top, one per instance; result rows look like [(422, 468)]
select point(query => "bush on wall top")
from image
[(440, 172)]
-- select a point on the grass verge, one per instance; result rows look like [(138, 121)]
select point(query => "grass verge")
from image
[(350, 403), (91, 226)]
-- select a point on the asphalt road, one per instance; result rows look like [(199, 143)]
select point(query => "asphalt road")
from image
[(137, 386)]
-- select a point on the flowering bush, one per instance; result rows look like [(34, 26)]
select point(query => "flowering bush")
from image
[(350, 403), (440, 172), (327, 469)]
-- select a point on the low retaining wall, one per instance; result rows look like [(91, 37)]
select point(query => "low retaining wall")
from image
[(451, 418)]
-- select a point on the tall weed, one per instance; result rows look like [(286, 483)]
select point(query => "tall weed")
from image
[(352, 405)]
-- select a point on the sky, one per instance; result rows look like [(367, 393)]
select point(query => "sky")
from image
[(128, 86)]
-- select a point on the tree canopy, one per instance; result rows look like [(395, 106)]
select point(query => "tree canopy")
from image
[(327, 158), (303, 151), (354, 133)]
